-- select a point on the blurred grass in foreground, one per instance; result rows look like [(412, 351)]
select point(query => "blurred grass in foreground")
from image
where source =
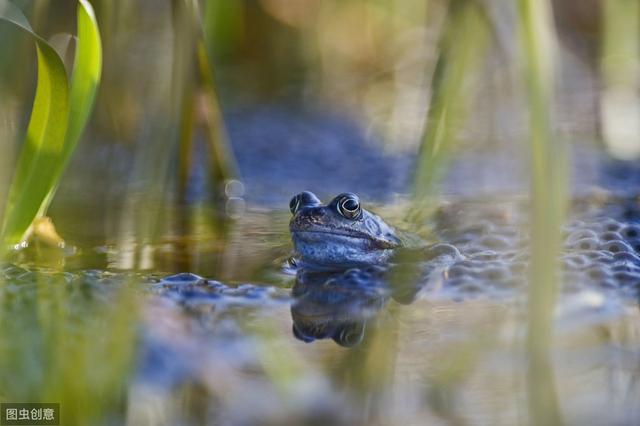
[(460, 48), (67, 341), (548, 200)]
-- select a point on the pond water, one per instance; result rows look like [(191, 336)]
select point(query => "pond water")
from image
[(415, 348)]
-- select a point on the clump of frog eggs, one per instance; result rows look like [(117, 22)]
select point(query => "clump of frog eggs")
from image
[(491, 257)]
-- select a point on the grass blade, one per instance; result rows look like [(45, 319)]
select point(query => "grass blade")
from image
[(461, 49), (548, 199)]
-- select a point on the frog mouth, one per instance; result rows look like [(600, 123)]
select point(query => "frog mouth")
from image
[(340, 236), (328, 235), (329, 231)]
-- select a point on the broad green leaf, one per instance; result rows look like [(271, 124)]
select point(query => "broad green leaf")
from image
[(44, 144), (58, 118), (84, 85)]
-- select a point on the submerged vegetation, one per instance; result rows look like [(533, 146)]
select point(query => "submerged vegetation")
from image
[(151, 181)]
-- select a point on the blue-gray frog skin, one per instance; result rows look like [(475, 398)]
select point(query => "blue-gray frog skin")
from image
[(338, 235)]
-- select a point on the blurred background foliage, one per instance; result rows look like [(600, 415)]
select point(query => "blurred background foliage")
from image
[(163, 105)]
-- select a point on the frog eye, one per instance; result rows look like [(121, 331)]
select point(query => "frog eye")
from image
[(349, 206), (294, 204), (350, 335), (303, 199)]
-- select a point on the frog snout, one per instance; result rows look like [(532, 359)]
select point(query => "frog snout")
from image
[(312, 215)]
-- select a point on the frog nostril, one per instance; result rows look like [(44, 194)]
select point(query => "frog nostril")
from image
[(372, 226), (316, 212)]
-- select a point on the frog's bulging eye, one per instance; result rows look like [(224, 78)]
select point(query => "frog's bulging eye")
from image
[(349, 206), (350, 335), (294, 204), (303, 199)]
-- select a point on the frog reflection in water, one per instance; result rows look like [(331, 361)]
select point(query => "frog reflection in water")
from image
[(341, 283), (338, 305)]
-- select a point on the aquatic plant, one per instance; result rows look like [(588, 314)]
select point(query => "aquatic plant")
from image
[(49, 347), (548, 199), (461, 46), (462, 43), (59, 115), (193, 50)]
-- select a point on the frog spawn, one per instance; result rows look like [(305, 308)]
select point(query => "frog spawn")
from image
[(200, 294), (604, 254), (601, 249)]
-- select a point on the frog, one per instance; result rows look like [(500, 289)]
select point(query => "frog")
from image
[(338, 235)]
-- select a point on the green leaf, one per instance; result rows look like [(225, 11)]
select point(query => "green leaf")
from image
[(44, 144), (58, 119), (84, 82)]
